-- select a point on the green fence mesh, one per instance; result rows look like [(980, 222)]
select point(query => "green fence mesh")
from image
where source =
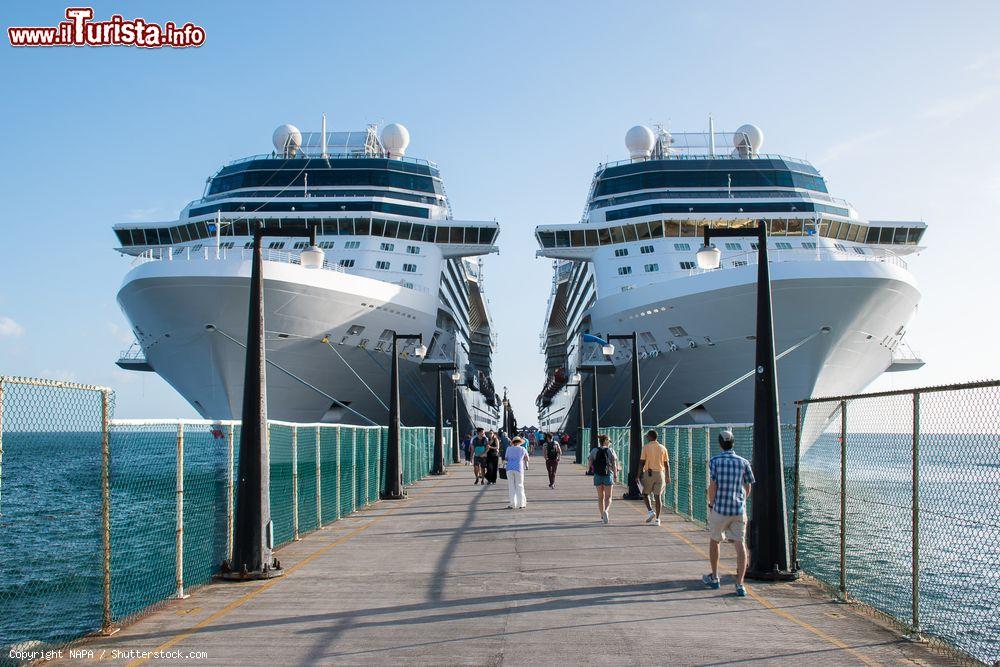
[(169, 526)]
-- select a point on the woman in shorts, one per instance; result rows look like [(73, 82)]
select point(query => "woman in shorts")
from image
[(605, 466)]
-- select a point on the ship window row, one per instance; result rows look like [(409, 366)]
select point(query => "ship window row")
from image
[(319, 192), (394, 229), (762, 178), (307, 206), (723, 193), (322, 177), (735, 207), (641, 231)]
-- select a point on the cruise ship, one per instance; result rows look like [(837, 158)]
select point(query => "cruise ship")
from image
[(394, 259), (842, 292)]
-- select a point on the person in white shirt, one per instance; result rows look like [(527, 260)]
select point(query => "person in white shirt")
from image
[(517, 464)]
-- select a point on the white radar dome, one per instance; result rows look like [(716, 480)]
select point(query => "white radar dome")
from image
[(287, 140), (639, 141), (395, 138), (748, 139)]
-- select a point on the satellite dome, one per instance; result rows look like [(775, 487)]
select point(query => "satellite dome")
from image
[(395, 138), (748, 139), (287, 140), (639, 141)]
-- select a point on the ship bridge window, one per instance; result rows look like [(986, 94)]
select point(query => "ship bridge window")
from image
[(577, 239), (604, 236), (617, 235), (621, 252), (642, 231)]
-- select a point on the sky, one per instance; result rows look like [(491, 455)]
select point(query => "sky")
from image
[(897, 104)]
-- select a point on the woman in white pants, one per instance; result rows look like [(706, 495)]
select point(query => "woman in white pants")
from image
[(517, 464)]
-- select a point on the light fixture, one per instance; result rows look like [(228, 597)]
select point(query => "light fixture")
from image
[(456, 376), (575, 378), (708, 257), (420, 351), (312, 257), (608, 349)]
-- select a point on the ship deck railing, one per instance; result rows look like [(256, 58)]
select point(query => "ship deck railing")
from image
[(331, 156)]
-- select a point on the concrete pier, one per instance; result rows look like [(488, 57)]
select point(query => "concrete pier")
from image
[(449, 576)]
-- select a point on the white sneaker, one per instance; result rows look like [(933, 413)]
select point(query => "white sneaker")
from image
[(650, 516), (605, 518), (656, 522)]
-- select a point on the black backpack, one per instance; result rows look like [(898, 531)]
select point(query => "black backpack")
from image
[(551, 452), (602, 461)]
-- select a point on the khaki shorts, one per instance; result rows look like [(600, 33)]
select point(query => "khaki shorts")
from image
[(652, 482), (722, 527)]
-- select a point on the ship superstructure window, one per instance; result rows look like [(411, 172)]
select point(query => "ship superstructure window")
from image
[(859, 250), (300, 245), (248, 244), (227, 245), (840, 247), (808, 244), (346, 263), (387, 247), (687, 266), (382, 266), (352, 245), (413, 250), (682, 246), (410, 268), (621, 252), (781, 245), (652, 268), (275, 245), (754, 246), (734, 246), (326, 245), (646, 249), (624, 270)]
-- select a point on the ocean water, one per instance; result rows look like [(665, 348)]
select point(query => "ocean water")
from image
[(959, 530), (50, 523)]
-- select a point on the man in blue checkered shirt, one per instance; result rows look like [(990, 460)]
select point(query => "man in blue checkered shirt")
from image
[(731, 478)]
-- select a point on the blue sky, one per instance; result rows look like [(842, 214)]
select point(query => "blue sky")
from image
[(896, 103)]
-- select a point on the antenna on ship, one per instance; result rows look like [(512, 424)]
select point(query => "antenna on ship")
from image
[(711, 136), (323, 139)]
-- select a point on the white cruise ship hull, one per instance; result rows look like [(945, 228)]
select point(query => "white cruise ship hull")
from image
[(863, 303), (190, 316)]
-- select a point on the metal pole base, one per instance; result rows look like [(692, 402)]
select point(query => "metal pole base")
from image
[(105, 632), (229, 573), (632, 495), (773, 575), (392, 496)]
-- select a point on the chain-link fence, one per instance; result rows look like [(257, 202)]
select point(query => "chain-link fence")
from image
[(101, 520), (898, 507)]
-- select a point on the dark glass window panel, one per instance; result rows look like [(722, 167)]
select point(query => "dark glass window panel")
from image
[(671, 228), (576, 238), (642, 230), (378, 227), (429, 232), (630, 234), (391, 229), (604, 235), (617, 235), (591, 236)]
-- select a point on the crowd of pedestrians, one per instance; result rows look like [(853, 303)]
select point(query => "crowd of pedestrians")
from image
[(730, 481)]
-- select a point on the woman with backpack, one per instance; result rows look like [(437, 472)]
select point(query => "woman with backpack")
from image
[(553, 452), (605, 466), (479, 444), (492, 460)]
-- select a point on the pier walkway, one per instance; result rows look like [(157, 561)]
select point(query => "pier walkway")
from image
[(449, 576)]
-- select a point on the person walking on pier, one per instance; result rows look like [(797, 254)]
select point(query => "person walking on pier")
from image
[(730, 480), (553, 452), (517, 465), (492, 460), (467, 449), (605, 465), (479, 444), (654, 468)]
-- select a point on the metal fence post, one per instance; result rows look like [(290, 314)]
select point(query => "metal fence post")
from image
[(915, 518), (677, 455), (795, 489), (1, 445), (336, 472), (106, 628), (354, 472), (319, 482), (230, 441), (708, 473), (179, 539), (690, 473), (295, 483), (843, 501)]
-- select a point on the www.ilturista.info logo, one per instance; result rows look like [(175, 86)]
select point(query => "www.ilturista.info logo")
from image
[(80, 30)]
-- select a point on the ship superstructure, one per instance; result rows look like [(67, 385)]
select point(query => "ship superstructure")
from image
[(394, 260), (842, 292)]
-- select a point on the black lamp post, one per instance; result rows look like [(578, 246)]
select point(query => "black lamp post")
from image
[(769, 558), (635, 427), (393, 489), (253, 539), (439, 467), (455, 434), (577, 381)]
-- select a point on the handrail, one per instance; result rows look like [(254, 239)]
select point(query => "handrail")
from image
[(330, 156), (699, 156)]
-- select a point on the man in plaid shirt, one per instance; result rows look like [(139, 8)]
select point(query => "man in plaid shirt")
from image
[(731, 478)]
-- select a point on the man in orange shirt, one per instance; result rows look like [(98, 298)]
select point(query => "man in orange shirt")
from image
[(654, 471)]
